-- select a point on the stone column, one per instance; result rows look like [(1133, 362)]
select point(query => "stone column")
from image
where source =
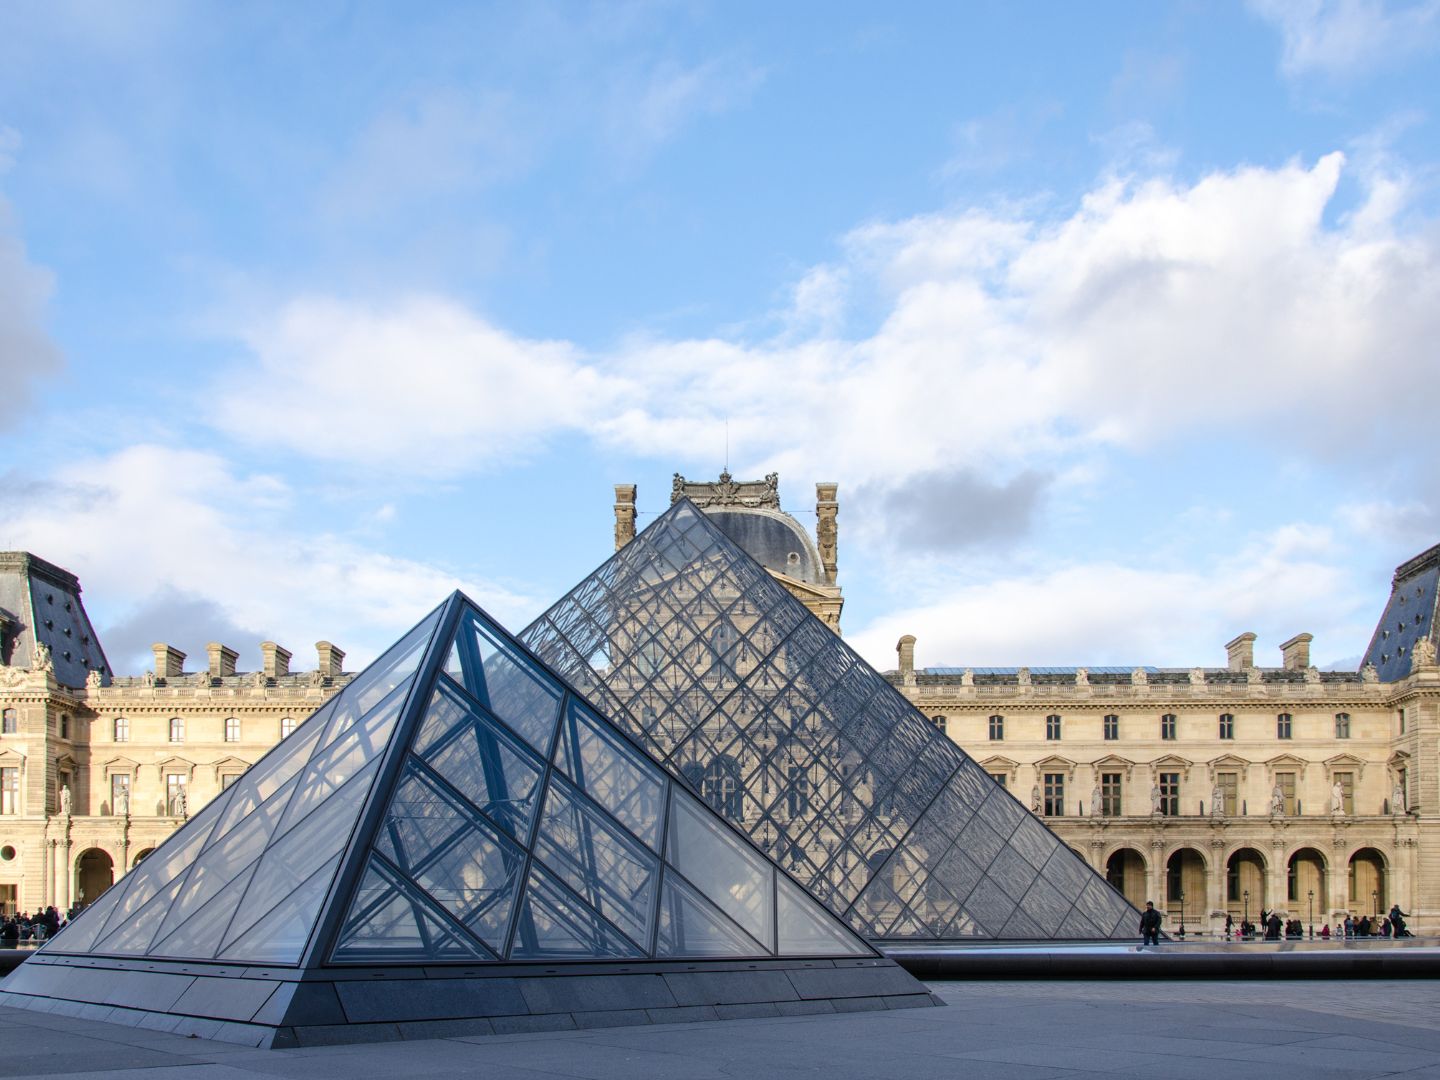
[(1215, 884), (1277, 895)]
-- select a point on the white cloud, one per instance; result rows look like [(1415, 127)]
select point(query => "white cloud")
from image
[(645, 110), (1102, 613), (1345, 37), (1005, 341), (423, 387), (151, 528)]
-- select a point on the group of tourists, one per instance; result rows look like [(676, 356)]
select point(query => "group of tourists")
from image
[(1275, 929), (32, 928)]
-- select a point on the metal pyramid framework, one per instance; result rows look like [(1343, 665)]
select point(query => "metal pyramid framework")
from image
[(455, 836), (787, 732)]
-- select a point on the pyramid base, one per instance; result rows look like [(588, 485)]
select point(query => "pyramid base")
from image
[(268, 1007)]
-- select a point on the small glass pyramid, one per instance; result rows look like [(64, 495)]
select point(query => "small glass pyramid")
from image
[(455, 803), (785, 731)]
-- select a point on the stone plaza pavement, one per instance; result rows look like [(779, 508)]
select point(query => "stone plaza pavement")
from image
[(1156, 1029)]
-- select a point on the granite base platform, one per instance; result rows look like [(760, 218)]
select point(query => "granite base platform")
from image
[(267, 1007)]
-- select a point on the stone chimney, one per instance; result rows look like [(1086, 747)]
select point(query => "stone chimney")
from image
[(169, 661), (906, 648), (222, 660), (624, 514), (1241, 652), (826, 535), (332, 660), (1296, 652), (275, 661)]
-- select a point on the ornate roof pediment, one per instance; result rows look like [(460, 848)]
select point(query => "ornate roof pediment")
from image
[(1346, 761), (998, 762), (119, 764), (1055, 761), (1115, 761), (1173, 761), (176, 762), (1227, 763)]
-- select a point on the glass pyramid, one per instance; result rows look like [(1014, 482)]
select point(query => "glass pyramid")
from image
[(456, 802), (784, 730)]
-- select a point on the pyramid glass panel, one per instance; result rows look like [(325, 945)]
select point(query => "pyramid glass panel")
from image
[(556, 925), (784, 730), (691, 926)]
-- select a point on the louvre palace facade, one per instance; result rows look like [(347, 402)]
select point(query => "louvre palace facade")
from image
[(1213, 790), (96, 769)]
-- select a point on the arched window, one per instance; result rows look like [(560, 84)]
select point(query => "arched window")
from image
[(232, 729), (939, 722), (122, 729), (177, 729), (287, 727), (997, 728), (9, 722)]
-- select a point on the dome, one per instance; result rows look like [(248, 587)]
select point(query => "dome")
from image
[(773, 539)]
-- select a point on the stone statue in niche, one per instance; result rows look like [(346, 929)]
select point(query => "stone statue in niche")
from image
[(1397, 799), (178, 807), (122, 803), (1097, 803), (1035, 799), (1337, 798), (65, 801), (1217, 802), (1277, 801), (1157, 800)]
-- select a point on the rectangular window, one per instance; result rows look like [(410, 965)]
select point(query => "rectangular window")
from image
[(797, 796), (1342, 725), (1229, 785), (1052, 727), (997, 728), (1227, 726), (177, 730), (10, 790), (1282, 726), (1402, 721), (939, 722), (1170, 794), (9, 900), (227, 780), (122, 729), (1000, 778), (1110, 794), (1285, 781), (9, 722), (232, 729), (174, 793), (119, 792), (64, 725), (1167, 726), (1347, 788), (1112, 727), (1054, 794)]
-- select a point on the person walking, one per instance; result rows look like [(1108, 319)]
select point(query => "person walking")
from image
[(1397, 922), (1150, 924)]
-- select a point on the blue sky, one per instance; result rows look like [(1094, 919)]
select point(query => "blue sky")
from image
[(1115, 323)]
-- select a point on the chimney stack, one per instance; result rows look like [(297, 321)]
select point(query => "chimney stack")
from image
[(1241, 652), (275, 661), (624, 514), (222, 660), (1296, 652), (826, 535), (332, 660), (906, 648), (169, 661)]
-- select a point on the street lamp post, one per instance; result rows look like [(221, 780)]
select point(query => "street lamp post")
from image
[(1312, 913), (1245, 919), (1182, 912), (1375, 902)]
